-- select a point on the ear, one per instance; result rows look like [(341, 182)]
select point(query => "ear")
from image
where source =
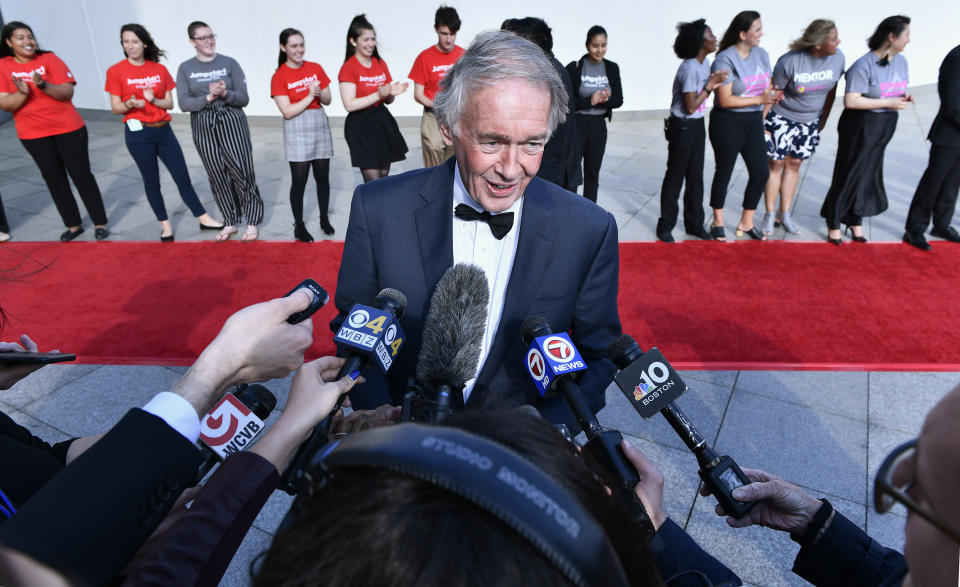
[(447, 135)]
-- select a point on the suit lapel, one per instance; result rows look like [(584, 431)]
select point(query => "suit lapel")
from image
[(537, 231), (435, 224)]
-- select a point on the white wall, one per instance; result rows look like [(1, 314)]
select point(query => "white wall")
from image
[(85, 33)]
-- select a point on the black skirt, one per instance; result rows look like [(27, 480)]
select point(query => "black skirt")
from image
[(857, 186), (374, 138)]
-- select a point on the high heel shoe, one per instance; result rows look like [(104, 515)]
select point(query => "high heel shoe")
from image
[(859, 239), (768, 225), (752, 233), (786, 220)]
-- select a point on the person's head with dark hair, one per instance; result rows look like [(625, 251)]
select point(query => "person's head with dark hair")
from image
[(420, 533), (746, 27), (692, 37), (138, 44), (193, 26), (532, 29), (291, 42), (891, 36), (596, 43), (446, 16), (17, 41), (361, 39)]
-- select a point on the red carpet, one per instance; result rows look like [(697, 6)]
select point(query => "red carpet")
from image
[(706, 306)]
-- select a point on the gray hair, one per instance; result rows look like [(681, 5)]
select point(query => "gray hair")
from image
[(495, 56)]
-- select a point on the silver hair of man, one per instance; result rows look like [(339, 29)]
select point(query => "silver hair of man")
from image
[(495, 56)]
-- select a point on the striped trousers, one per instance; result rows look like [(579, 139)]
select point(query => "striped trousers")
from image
[(222, 138)]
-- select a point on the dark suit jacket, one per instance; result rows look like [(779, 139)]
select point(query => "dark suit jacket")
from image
[(561, 155), (91, 518), (401, 236), (945, 130), (27, 462)]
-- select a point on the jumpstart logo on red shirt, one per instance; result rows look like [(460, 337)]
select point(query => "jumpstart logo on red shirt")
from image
[(142, 83), (300, 84), (27, 76), (373, 80)]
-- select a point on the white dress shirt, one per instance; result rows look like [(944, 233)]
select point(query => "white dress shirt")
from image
[(474, 243)]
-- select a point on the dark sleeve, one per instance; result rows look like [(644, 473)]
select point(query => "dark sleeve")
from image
[(616, 90), (681, 561), (596, 323), (574, 81), (89, 520), (579, 102), (187, 101), (845, 556), (238, 95), (19, 434), (356, 280), (198, 548), (949, 87)]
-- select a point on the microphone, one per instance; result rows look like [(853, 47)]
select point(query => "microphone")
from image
[(651, 385), (370, 334), (369, 330), (233, 423), (453, 334), (551, 362)]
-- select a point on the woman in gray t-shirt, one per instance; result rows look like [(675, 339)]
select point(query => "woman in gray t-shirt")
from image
[(808, 76), (876, 90)]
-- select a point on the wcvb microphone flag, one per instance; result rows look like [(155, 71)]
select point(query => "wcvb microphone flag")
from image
[(229, 427)]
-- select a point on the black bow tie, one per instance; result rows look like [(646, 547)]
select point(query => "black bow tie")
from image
[(500, 224)]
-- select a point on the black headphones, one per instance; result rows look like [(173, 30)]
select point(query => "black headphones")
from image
[(494, 478)]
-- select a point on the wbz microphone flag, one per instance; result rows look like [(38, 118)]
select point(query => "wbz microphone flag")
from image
[(551, 356), (229, 427), (373, 333)]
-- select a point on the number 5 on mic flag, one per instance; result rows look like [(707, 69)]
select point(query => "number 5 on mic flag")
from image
[(650, 383)]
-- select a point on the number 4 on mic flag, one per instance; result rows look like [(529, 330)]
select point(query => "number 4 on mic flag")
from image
[(650, 383)]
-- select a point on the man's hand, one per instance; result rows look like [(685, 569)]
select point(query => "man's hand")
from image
[(10, 374), (780, 505), (650, 487), (384, 415), (255, 344)]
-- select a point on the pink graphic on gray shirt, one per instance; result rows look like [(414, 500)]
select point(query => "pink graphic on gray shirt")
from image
[(894, 88), (754, 85)]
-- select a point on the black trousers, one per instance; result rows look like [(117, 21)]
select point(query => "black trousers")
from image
[(4, 227), (592, 136), (733, 133), (58, 155), (685, 148), (936, 193)]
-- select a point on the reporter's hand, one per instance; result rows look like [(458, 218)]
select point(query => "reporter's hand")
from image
[(780, 505), (10, 374), (314, 392), (255, 344), (358, 420), (650, 487)]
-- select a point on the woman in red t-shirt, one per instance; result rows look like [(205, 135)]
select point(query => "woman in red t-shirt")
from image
[(140, 89), (365, 86), (36, 86), (301, 89)]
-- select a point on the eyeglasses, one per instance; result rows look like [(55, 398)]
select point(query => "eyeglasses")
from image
[(205, 38), (887, 490)]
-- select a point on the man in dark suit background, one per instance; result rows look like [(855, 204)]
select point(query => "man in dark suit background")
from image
[(936, 194), (559, 259)]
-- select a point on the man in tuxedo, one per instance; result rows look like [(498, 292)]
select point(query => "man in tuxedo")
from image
[(544, 250), (936, 194)]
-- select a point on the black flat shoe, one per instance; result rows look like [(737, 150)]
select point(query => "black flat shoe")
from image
[(701, 233), (949, 234), (101, 233), (917, 240), (205, 227), (68, 235), (665, 237), (166, 239), (857, 239), (325, 226), (300, 233)]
